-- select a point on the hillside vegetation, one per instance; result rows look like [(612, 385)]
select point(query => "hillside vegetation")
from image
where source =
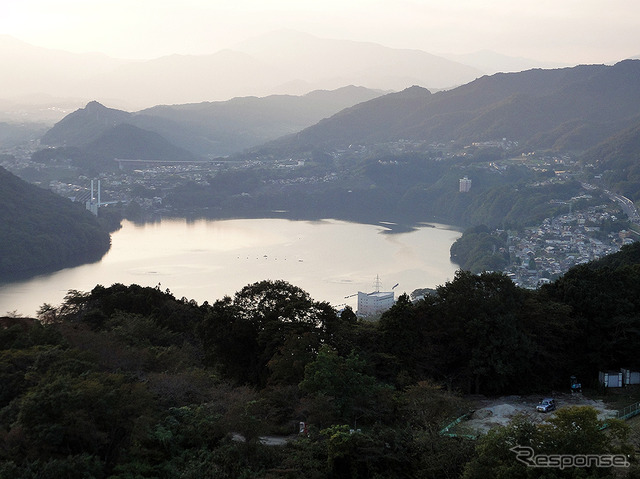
[(406, 188), (129, 381), (618, 161), (198, 129), (541, 109), (40, 231)]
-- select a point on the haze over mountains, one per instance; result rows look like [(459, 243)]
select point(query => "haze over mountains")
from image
[(562, 109), (492, 62), (283, 62), (204, 129), (569, 109)]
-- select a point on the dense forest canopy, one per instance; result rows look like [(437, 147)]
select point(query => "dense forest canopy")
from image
[(129, 381), (40, 231)]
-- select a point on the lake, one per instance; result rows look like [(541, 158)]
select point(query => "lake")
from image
[(205, 260)]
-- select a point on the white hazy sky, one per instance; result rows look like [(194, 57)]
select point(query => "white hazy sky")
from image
[(568, 31)]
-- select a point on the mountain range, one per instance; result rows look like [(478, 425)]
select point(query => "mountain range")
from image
[(284, 62), (207, 129), (588, 108), (43, 82), (569, 109)]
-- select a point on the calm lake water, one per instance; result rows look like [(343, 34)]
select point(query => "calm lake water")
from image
[(205, 260)]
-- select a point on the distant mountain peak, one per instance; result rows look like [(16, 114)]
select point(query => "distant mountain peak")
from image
[(96, 108), (207, 128), (94, 105), (84, 125), (416, 90)]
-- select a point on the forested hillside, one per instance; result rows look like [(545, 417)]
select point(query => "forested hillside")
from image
[(40, 231), (618, 161), (406, 188), (541, 109), (129, 381), (199, 129)]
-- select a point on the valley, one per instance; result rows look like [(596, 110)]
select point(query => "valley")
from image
[(562, 222), (185, 235)]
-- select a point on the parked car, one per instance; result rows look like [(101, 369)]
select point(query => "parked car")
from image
[(546, 405)]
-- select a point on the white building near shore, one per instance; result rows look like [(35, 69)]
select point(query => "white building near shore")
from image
[(371, 304)]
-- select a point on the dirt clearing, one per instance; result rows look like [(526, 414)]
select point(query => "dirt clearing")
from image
[(492, 412)]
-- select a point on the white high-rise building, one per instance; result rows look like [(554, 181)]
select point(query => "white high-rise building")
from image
[(465, 185)]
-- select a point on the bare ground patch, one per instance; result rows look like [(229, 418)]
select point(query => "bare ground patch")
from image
[(492, 412)]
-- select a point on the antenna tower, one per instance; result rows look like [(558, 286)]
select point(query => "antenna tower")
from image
[(377, 284)]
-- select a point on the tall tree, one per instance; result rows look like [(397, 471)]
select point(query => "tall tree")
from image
[(261, 325)]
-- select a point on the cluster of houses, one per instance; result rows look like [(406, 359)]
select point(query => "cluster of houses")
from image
[(562, 242)]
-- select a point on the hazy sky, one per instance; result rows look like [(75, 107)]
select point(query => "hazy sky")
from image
[(572, 31)]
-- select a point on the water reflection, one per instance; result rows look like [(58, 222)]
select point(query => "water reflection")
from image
[(207, 259)]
